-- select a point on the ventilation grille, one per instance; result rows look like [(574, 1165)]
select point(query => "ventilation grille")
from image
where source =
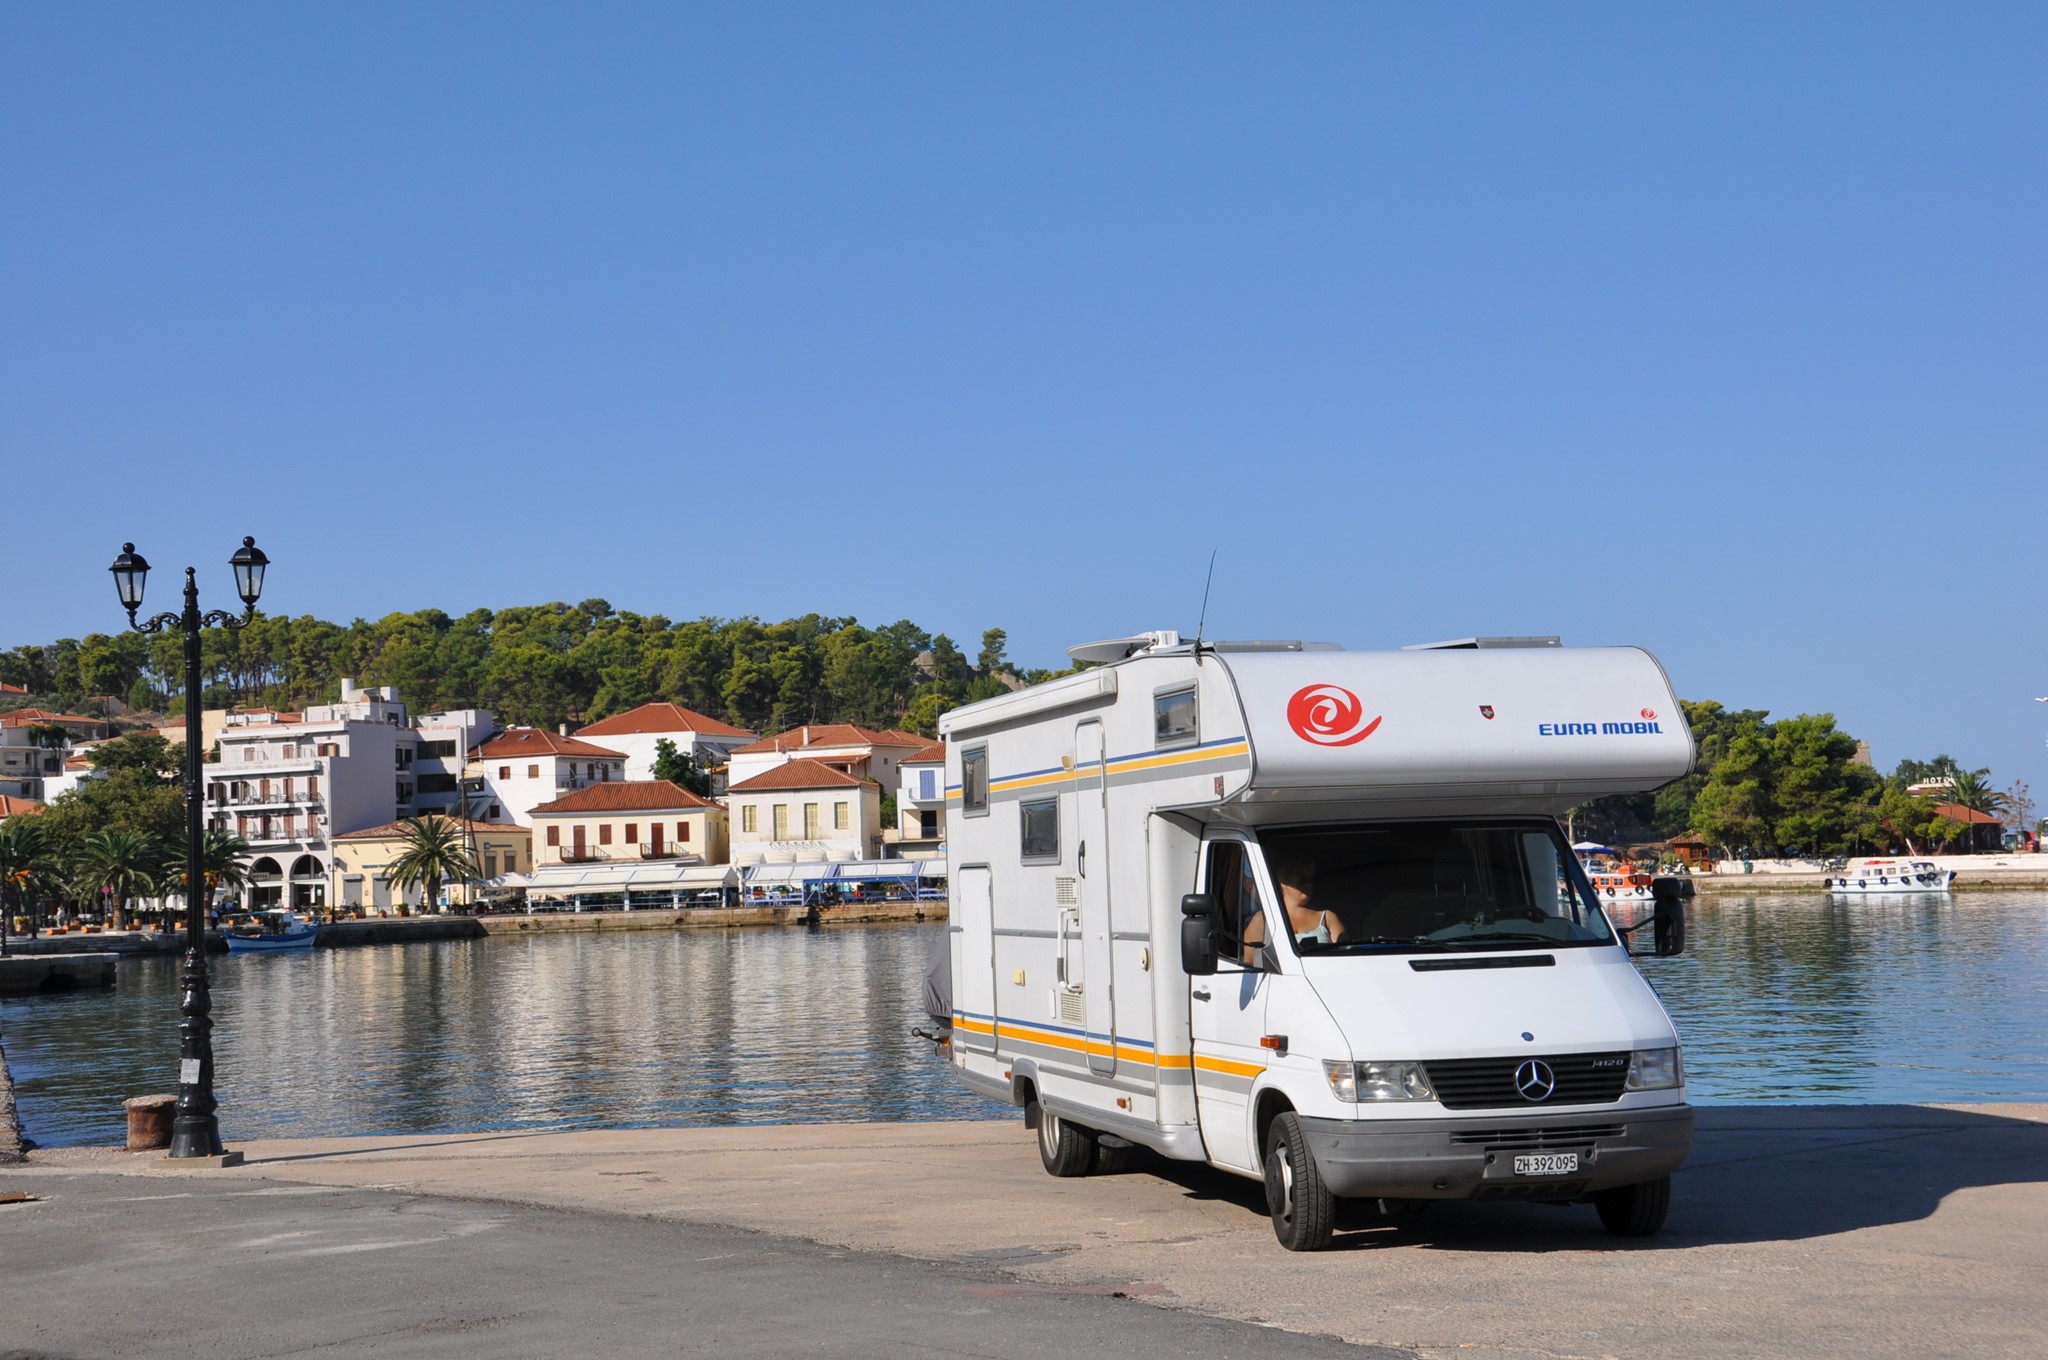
[(1489, 1083), (1067, 890), (1535, 1140), (1073, 1007)]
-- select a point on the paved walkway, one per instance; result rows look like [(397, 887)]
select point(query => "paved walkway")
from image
[(1796, 1232)]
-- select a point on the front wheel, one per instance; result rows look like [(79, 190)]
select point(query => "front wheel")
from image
[(1303, 1209), (1065, 1150), (1635, 1210)]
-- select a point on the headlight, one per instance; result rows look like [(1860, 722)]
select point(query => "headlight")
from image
[(1356, 1083), (1654, 1069)]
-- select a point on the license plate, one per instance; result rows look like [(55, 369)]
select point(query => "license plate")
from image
[(1547, 1164)]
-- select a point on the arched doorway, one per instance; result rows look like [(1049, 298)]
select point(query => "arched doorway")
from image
[(266, 884), (308, 883)]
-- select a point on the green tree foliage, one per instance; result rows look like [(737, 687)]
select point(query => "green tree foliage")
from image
[(435, 852), (119, 865), (25, 871), (680, 769), (144, 751)]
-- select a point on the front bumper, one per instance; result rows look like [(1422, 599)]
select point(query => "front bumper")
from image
[(1475, 1158)]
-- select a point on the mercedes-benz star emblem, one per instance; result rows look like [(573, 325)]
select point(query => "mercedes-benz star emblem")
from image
[(1535, 1080)]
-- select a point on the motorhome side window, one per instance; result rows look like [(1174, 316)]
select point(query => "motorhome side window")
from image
[(974, 780), (1040, 823), (1173, 718), (1236, 892)]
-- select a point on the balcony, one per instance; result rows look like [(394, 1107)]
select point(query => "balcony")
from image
[(666, 850)]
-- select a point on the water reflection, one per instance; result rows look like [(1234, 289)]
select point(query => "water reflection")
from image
[(1789, 998), (1912, 999), (568, 1031)]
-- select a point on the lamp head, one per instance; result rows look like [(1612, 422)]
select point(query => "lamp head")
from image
[(131, 572), (249, 563)]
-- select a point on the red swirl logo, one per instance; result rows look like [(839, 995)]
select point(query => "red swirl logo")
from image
[(1649, 713), (1329, 715)]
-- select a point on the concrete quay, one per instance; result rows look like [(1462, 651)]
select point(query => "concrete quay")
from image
[(41, 973), (1873, 1231)]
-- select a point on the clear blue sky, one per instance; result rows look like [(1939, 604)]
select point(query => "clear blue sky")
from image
[(1719, 332)]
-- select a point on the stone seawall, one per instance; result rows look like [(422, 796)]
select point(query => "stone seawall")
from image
[(10, 1127)]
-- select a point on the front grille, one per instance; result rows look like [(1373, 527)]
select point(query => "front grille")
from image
[(1537, 1140), (1489, 1083)]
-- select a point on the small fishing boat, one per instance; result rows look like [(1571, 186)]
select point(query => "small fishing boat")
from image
[(269, 931), (1620, 884), (1891, 876)]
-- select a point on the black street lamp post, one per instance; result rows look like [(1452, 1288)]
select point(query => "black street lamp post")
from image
[(194, 1132)]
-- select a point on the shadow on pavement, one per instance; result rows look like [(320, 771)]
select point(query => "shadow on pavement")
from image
[(1756, 1174)]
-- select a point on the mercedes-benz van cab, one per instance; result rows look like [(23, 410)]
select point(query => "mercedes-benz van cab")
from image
[(1307, 915)]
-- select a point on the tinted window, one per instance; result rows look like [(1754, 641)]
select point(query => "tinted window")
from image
[(1173, 718), (1040, 821), (974, 780)]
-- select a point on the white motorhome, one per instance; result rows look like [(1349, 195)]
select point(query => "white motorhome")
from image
[(1307, 915)]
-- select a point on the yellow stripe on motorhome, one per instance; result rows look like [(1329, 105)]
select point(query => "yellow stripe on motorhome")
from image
[(1030, 781), (1132, 764), (1229, 1068), (1013, 1029)]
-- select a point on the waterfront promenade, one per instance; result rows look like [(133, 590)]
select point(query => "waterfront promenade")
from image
[(1873, 1231)]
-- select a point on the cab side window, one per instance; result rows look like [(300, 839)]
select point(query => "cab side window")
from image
[(1236, 892)]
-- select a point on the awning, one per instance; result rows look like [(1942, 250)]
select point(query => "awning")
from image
[(878, 868), (555, 880), (767, 875)]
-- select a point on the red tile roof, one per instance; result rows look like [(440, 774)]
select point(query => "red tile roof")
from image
[(25, 717), (800, 774), (10, 806), (535, 741), (656, 718), (632, 795), (6, 688), (830, 734), (934, 754), (393, 830), (1956, 812)]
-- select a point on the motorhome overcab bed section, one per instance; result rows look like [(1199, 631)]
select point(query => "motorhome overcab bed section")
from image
[(1447, 1014)]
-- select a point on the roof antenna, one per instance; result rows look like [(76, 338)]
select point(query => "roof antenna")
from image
[(1203, 621)]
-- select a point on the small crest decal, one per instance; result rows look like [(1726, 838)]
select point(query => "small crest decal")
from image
[(1486, 711)]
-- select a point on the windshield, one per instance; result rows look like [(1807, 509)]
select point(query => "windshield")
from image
[(1431, 886)]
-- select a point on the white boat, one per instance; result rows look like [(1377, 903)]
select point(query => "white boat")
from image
[(1891, 876), (271, 931)]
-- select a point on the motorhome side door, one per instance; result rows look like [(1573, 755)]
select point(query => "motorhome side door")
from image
[(1227, 1011), (1091, 850)]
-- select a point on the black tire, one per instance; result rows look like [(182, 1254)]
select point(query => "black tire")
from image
[(1303, 1209), (1111, 1161), (1066, 1149), (1635, 1210)]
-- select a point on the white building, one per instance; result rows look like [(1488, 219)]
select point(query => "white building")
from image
[(861, 752), (921, 801), (803, 811), (523, 767), (26, 763), (289, 782), (634, 733), (446, 743)]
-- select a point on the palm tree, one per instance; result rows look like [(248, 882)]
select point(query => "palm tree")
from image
[(120, 862), (1968, 788), (434, 853), (23, 868), (223, 860)]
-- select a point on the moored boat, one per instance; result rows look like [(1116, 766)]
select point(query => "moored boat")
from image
[(1891, 876), (270, 930)]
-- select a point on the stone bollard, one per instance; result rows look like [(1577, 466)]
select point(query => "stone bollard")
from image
[(149, 1121)]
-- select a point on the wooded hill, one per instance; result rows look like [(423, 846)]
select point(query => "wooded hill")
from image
[(1766, 788)]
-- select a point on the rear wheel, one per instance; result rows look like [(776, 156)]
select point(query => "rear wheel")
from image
[(1303, 1209), (1635, 1210), (1065, 1149)]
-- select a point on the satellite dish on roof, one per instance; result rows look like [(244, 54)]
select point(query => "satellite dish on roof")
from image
[(1116, 649)]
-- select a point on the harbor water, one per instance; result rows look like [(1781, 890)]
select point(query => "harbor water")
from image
[(1792, 999)]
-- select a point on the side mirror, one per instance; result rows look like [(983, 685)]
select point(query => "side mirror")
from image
[(1198, 935), (1667, 922)]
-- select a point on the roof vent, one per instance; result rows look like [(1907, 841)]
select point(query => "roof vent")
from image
[(1116, 649), (1482, 643)]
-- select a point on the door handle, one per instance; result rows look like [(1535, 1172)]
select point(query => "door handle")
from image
[(1200, 995), (1083, 858)]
